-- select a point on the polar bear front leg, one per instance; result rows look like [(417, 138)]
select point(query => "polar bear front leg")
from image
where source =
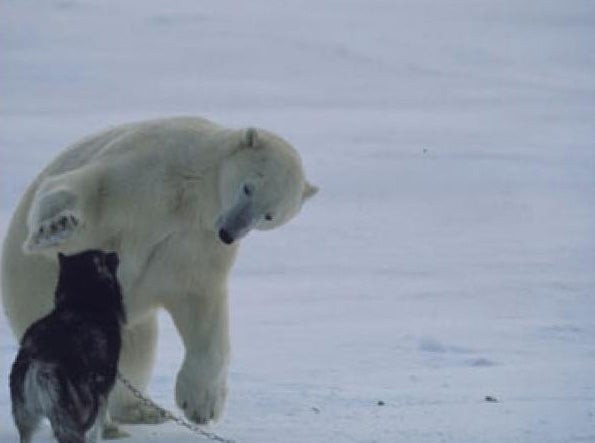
[(201, 385), (201, 389)]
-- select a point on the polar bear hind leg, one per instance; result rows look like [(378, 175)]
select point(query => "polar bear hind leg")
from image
[(56, 214), (52, 231), (136, 364)]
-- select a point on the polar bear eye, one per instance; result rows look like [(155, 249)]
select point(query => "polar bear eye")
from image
[(268, 217), (247, 189)]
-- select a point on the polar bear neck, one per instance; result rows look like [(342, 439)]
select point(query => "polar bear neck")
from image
[(199, 187)]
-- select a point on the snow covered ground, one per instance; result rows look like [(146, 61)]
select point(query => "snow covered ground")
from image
[(450, 253)]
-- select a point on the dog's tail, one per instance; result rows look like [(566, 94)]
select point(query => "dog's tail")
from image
[(41, 387), (54, 394)]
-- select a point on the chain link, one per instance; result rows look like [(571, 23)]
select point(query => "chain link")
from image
[(169, 415)]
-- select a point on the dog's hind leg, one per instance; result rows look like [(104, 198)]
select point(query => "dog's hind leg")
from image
[(67, 430), (99, 424), (26, 423), (72, 411), (70, 436)]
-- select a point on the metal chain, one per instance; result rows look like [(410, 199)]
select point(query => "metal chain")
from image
[(169, 415)]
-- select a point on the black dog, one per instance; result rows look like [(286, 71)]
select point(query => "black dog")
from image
[(68, 360)]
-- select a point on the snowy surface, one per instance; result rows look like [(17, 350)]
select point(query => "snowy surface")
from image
[(450, 253)]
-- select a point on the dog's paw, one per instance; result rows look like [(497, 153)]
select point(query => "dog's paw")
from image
[(139, 413), (52, 231), (200, 403)]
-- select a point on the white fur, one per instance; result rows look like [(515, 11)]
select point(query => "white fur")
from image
[(158, 193), (40, 396)]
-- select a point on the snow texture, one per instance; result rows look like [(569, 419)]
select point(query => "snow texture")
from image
[(447, 261)]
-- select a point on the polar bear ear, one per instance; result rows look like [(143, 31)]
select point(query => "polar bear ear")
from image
[(250, 138), (309, 191)]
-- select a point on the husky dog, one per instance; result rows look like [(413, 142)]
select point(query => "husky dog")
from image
[(68, 360)]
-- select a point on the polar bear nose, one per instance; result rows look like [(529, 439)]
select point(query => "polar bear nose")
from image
[(225, 237)]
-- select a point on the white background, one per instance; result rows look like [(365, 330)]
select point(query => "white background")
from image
[(451, 250)]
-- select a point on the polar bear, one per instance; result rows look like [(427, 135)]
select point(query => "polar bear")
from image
[(172, 197)]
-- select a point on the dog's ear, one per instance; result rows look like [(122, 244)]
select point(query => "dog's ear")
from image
[(112, 261), (61, 258)]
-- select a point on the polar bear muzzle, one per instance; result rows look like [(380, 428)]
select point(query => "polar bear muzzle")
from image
[(237, 222), (225, 236)]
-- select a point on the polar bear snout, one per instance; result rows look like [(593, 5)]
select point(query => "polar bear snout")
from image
[(225, 237), (236, 222)]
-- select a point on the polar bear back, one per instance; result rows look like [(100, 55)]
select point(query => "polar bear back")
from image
[(112, 141), (135, 153)]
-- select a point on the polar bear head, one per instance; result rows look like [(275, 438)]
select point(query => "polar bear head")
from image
[(261, 185)]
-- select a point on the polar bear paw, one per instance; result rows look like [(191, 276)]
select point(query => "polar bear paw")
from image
[(112, 431), (139, 413), (200, 403), (52, 231)]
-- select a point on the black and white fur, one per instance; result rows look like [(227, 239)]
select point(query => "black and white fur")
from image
[(68, 360)]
